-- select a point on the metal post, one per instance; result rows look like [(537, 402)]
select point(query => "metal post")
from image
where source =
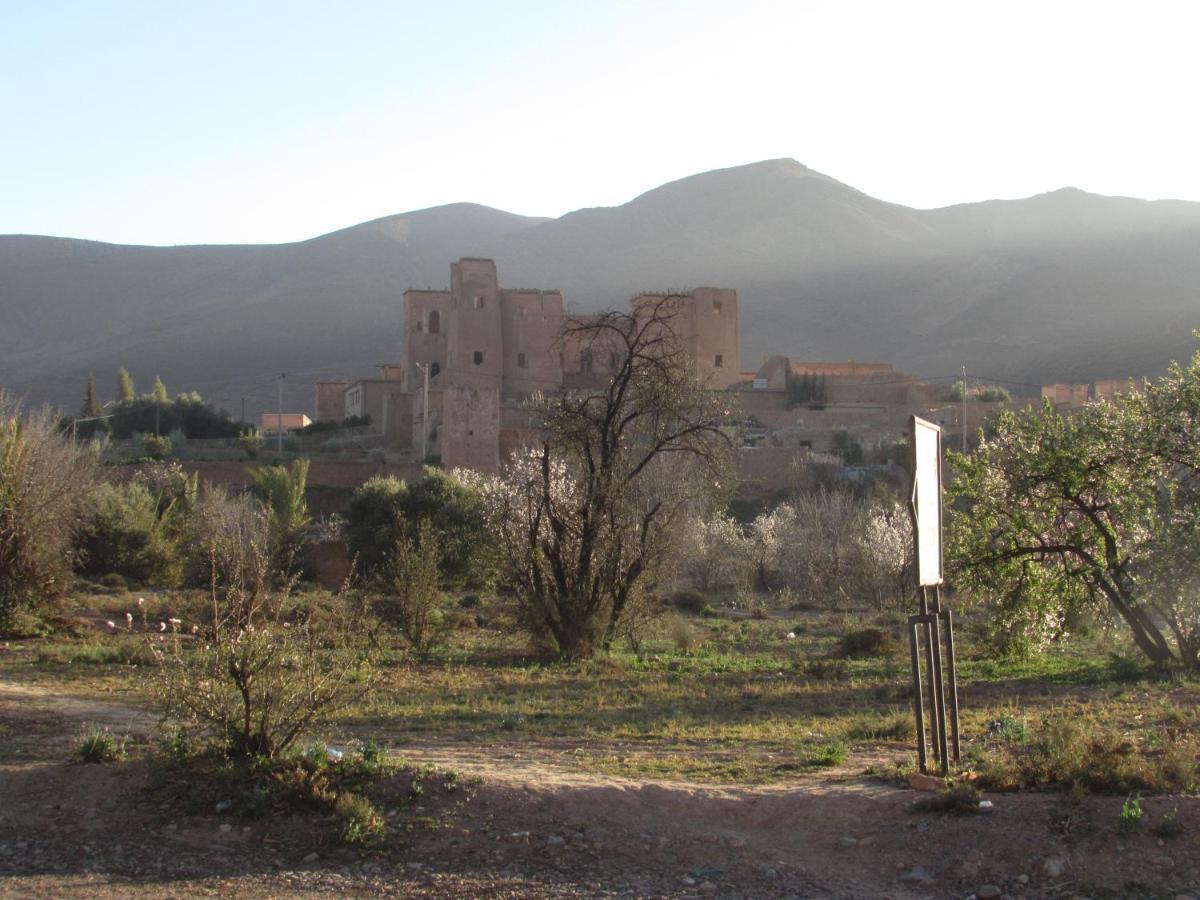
[(279, 421), (425, 416), (918, 702), (953, 684), (964, 411)]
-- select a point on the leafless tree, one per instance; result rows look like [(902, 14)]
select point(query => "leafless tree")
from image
[(588, 519)]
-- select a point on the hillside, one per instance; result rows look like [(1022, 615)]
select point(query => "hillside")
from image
[(1065, 285)]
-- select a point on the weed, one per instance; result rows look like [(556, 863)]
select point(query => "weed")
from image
[(360, 820), (1169, 826), (1009, 729), (829, 754), (1131, 814), (99, 746)]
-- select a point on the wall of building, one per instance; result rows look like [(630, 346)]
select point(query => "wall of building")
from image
[(712, 316), (531, 322), (469, 435), (424, 336), (474, 352), (330, 402)]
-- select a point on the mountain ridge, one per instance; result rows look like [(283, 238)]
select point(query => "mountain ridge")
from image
[(1062, 285)]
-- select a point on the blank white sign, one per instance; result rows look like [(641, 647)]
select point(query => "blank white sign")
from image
[(927, 501)]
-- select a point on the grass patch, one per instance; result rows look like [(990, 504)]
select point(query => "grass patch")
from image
[(100, 746)]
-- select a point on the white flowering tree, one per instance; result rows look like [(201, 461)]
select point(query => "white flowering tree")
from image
[(591, 517)]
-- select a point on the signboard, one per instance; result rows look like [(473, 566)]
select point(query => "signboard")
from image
[(927, 501)]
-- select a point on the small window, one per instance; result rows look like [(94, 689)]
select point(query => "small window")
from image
[(435, 321), (434, 369), (521, 360), (479, 301), (719, 361), (717, 307), (478, 357), (420, 326)]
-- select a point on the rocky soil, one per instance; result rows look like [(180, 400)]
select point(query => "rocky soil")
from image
[(532, 828)]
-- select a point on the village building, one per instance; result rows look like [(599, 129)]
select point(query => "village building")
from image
[(471, 355)]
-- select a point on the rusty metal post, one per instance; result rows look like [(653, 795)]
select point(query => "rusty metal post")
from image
[(953, 684), (918, 699)]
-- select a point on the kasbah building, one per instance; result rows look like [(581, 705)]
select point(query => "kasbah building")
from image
[(486, 349)]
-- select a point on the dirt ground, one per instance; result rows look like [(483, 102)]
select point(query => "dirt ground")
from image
[(535, 828)]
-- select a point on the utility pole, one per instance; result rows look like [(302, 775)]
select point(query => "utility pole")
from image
[(243, 410), (279, 421), (425, 413), (964, 411)]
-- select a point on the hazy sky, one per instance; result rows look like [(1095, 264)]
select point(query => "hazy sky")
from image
[(183, 121)]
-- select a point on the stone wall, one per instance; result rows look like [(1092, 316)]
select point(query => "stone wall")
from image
[(469, 436)]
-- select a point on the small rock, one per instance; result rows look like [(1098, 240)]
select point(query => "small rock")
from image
[(1055, 866), (1022, 879), (312, 857), (919, 782), (707, 887), (866, 842), (917, 875), (988, 892), (688, 881), (555, 840), (848, 842), (224, 806), (735, 841), (226, 828)]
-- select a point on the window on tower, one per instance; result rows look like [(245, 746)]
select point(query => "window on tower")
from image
[(477, 356)]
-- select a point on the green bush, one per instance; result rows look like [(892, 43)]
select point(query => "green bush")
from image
[(156, 446), (123, 535), (385, 510), (410, 597), (250, 442)]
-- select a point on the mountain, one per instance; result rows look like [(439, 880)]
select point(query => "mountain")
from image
[(1062, 286)]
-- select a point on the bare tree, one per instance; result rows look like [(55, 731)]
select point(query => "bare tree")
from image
[(588, 518)]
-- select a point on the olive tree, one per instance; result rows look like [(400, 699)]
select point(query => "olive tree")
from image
[(588, 519)]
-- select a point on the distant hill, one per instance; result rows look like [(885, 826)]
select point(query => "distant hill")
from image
[(1061, 286)]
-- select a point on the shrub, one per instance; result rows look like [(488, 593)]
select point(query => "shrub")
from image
[(361, 821), (156, 446), (689, 602), (385, 510), (99, 746), (45, 480), (123, 535), (282, 493), (866, 642), (250, 442), (265, 667), (409, 587), (683, 635)]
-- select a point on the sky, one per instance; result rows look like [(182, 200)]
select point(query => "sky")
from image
[(172, 121)]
